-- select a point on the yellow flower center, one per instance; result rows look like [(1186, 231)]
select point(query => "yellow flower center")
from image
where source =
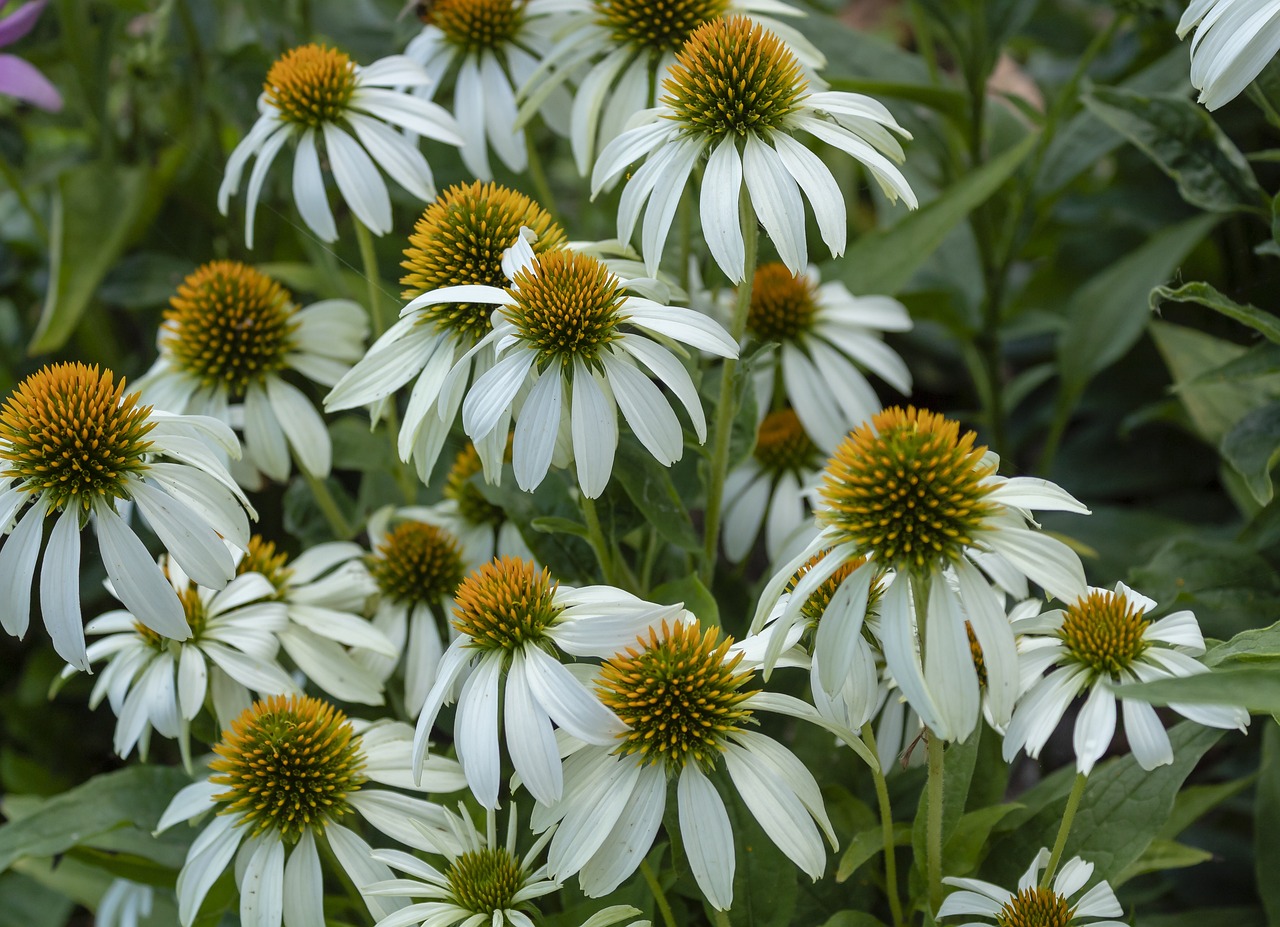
[(907, 487), (262, 558), (505, 604), (477, 24), (733, 77), (311, 85), (418, 563), (484, 881), (1035, 907), (657, 25), (192, 609), (459, 239), (459, 486), (1104, 632), (820, 599), (289, 764), (678, 693), (782, 445), (567, 306), (975, 651), (69, 433), (782, 304), (230, 326)]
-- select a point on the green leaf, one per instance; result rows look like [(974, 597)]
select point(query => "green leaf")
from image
[(853, 919), (1162, 855), (695, 596), (764, 884), (965, 847), (1266, 823), (554, 524), (1265, 323), (1254, 686), (865, 845), (1121, 812), (883, 261), (648, 484), (1184, 141), (1253, 644), (1261, 360), (135, 796), (1252, 446), (1195, 801), (24, 902)]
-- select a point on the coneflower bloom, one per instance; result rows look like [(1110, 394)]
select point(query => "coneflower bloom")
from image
[(457, 243), (228, 337), (1234, 41), (983, 903), (679, 694), (908, 492), (74, 446), (513, 622), (288, 775), (738, 94), (318, 96), (1101, 640)]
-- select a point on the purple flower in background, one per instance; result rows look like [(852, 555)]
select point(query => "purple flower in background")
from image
[(19, 79)]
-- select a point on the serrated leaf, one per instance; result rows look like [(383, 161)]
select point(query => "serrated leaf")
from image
[(1264, 323), (1162, 855), (1252, 446), (1253, 686)]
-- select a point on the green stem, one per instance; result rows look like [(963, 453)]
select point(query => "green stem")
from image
[(725, 411), (659, 896), (599, 543), (720, 918), (328, 505), (886, 828), (1064, 829), (933, 825), (538, 175)]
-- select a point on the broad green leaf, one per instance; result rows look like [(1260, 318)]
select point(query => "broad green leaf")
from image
[(1255, 686), (883, 261), (695, 596), (1261, 360), (1254, 644), (134, 796), (764, 884), (865, 845), (1121, 812), (855, 53), (1252, 446), (24, 902), (853, 919), (1162, 855), (965, 846), (1266, 822), (648, 484), (1196, 801), (553, 524), (1184, 141), (1265, 323)]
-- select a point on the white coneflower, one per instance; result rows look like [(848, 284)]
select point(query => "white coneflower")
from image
[(316, 94), (74, 446), (1104, 639), (625, 46), (458, 243), (1033, 906), (572, 346), (1234, 41), (738, 94), (911, 494), (828, 337), (513, 621), (679, 693), (229, 335), (289, 772)]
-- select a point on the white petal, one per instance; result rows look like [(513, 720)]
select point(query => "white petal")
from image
[(594, 422), (535, 437), (356, 857), (136, 578), (1147, 737), (631, 837), (530, 738), (263, 436), (396, 155), (718, 206), (673, 374), (358, 179), (819, 187), (60, 589), (207, 858), (568, 702), (493, 392), (308, 189), (262, 888), (193, 544), (266, 154), (707, 835), (646, 411), (304, 885), (302, 426), (1095, 727), (778, 810), (775, 198), (18, 567), (476, 730)]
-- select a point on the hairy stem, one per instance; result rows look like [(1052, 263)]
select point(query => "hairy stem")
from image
[(886, 828), (1064, 829)]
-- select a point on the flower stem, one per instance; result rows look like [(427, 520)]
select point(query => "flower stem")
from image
[(720, 918), (538, 176), (725, 411), (1064, 829), (933, 824), (595, 536), (659, 896), (886, 828), (328, 505)]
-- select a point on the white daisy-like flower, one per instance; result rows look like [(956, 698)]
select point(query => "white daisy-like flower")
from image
[(625, 46), (513, 621), (76, 447), (416, 568), (316, 94), (983, 903), (1101, 640), (124, 904), (768, 490), (738, 94), (491, 48), (1234, 41), (229, 335), (484, 882), (678, 692), (911, 494), (828, 337), (571, 347), (458, 242), (289, 772), (324, 592), (154, 682)]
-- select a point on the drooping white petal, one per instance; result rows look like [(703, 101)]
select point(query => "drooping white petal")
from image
[(536, 429), (775, 198), (707, 835), (136, 578), (308, 189), (529, 737), (304, 885), (262, 888), (18, 559), (358, 179), (60, 590), (1095, 727), (594, 423), (719, 208), (476, 730)]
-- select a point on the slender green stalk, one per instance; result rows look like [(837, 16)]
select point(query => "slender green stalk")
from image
[(599, 543), (1064, 829), (725, 410), (538, 175), (338, 523), (659, 896), (720, 918), (886, 828), (933, 825)]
